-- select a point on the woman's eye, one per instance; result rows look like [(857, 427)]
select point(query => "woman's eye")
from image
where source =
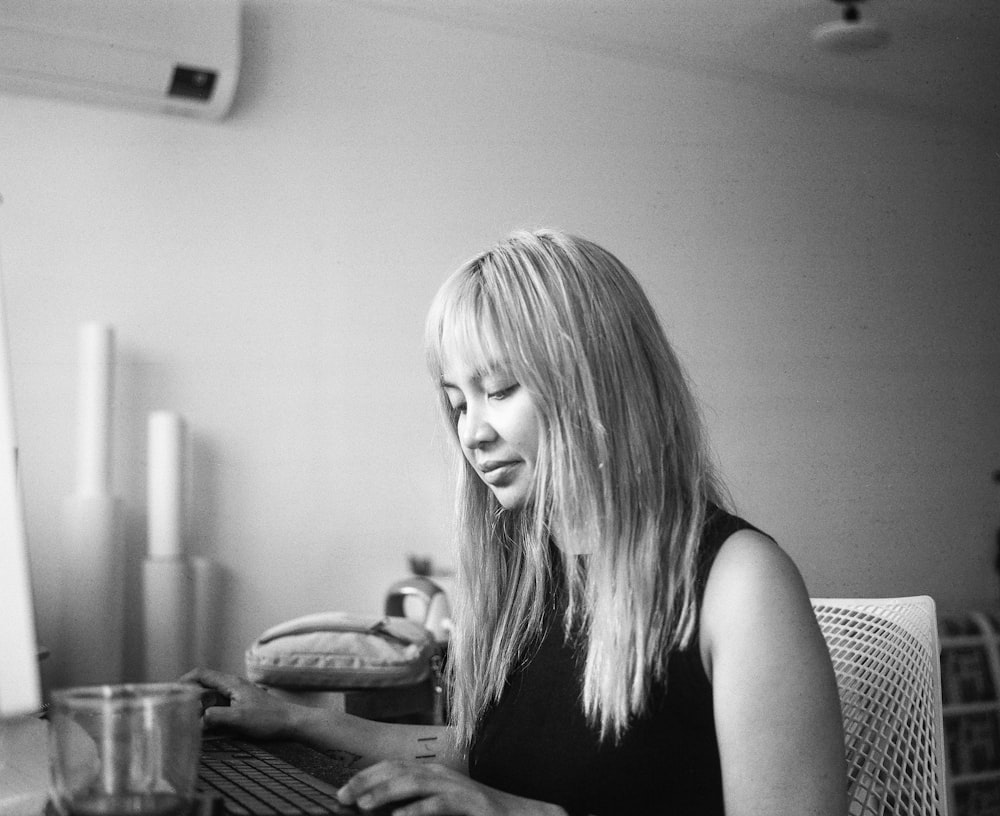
[(502, 393)]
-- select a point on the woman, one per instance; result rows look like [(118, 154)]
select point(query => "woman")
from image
[(622, 644)]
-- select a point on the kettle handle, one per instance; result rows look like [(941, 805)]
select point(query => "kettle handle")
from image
[(416, 586)]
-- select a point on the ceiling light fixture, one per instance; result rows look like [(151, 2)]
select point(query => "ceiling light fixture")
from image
[(850, 33)]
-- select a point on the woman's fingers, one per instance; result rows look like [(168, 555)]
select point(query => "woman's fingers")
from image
[(235, 689), (370, 784), (243, 705), (426, 788), (211, 679), (385, 782)]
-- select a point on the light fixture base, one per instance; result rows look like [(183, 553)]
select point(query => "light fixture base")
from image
[(850, 36)]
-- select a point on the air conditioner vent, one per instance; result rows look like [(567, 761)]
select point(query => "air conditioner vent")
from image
[(169, 56)]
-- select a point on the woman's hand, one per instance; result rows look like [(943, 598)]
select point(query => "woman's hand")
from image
[(410, 788), (251, 710)]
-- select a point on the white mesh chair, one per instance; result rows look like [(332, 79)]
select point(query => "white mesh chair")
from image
[(885, 655)]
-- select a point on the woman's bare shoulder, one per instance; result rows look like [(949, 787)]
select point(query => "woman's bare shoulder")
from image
[(753, 585)]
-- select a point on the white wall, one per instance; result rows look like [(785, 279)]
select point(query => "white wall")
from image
[(829, 275)]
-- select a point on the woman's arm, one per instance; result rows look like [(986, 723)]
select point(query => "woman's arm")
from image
[(777, 711), (252, 711)]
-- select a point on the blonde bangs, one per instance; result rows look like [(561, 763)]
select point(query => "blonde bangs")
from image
[(462, 327)]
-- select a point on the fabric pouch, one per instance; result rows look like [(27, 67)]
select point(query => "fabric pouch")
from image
[(341, 651)]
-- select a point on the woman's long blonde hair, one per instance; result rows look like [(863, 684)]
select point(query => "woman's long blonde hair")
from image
[(622, 475)]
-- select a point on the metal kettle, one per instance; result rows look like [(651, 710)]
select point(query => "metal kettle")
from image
[(421, 599)]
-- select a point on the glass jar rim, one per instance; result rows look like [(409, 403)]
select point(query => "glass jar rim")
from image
[(126, 694)]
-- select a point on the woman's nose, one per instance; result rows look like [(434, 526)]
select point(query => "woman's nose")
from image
[(476, 429)]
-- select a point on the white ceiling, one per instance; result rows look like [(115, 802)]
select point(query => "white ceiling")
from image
[(942, 61)]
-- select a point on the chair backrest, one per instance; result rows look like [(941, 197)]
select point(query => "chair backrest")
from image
[(886, 657)]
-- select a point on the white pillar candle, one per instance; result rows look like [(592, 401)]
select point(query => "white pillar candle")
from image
[(93, 614), (165, 485), (95, 390)]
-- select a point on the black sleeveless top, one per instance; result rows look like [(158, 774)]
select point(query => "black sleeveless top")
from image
[(536, 742)]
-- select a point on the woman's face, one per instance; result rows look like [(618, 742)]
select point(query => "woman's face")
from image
[(498, 427)]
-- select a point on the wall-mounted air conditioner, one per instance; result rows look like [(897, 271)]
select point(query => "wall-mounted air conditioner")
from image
[(168, 56)]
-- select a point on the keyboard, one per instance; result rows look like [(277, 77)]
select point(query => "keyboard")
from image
[(251, 780)]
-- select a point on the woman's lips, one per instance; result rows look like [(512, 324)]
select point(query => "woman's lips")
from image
[(496, 473)]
